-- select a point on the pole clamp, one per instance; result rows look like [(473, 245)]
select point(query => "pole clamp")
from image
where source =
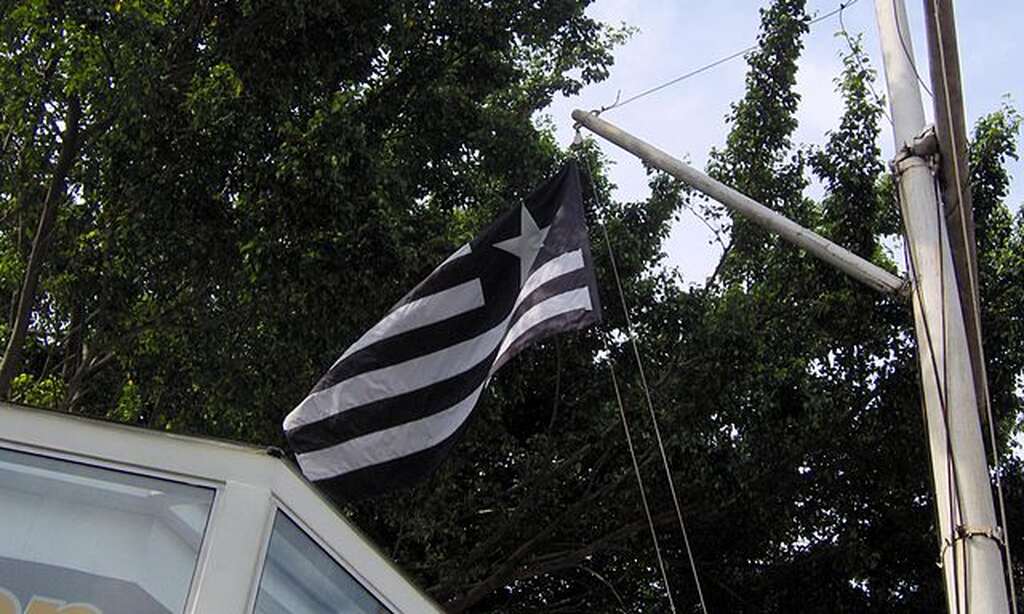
[(923, 150), (965, 532)]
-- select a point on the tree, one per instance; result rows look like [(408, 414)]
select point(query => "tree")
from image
[(233, 192), (237, 173), (758, 159)]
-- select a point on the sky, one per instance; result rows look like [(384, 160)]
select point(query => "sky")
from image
[(688, 119)]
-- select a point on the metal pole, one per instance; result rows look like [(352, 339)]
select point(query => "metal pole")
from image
[(968, 534), (951, 130), (820, 247)]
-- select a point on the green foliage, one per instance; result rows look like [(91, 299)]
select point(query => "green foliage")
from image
[(257, 182), (1000, 237), (41, 393), (757, 159), (850, 163)]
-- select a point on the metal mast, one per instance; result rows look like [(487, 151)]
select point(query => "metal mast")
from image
[(969, 536)]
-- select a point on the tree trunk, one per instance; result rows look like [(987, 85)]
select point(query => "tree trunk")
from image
[(55, 193)]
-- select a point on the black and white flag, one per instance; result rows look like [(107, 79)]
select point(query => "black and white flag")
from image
[(398, 399)]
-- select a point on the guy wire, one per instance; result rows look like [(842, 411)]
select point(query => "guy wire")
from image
[(976, 323), (718, 62), (650, 404)]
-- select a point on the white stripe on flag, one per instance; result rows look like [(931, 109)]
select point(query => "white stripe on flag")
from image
[(387, 444), (556, 305), (396, 379), (424, 370), (422, 312), (556, 267), (465, 250)]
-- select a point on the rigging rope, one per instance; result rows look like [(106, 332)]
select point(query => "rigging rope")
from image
[(952, 475), (718, 62), (855, 51), (953, 485), (647, 394), (906, 49), (976, 320), (643, 492)]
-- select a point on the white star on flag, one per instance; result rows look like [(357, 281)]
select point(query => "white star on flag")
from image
[(527, 245)]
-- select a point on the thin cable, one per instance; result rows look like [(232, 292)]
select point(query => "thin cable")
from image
[(692, 73), (718, 62), (952, 475), (654, 422), (643, 492), (650, 404), (975, 292), (955, 498), (950, 541), (1002, 510), (906, 49), (855, 50)]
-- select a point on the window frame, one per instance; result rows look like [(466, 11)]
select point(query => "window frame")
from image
[(281, 508), (250, 485)]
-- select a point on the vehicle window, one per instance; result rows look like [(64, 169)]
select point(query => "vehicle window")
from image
[(82, 539), (300, 578)]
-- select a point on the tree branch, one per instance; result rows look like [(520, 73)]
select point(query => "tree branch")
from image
[(507, 571), (55, 194)]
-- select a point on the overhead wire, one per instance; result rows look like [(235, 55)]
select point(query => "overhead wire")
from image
[(732, 56)]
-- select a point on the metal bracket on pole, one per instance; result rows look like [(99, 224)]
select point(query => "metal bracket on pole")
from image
[(906, 160), (966, 532), (923, 150), (925, 144)]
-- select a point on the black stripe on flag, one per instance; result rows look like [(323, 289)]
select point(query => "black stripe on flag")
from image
[(390, 412), (392, 475), (386, 413)]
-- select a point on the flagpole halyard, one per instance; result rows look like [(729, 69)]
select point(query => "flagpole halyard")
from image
[(643, 491), (654, 421)]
